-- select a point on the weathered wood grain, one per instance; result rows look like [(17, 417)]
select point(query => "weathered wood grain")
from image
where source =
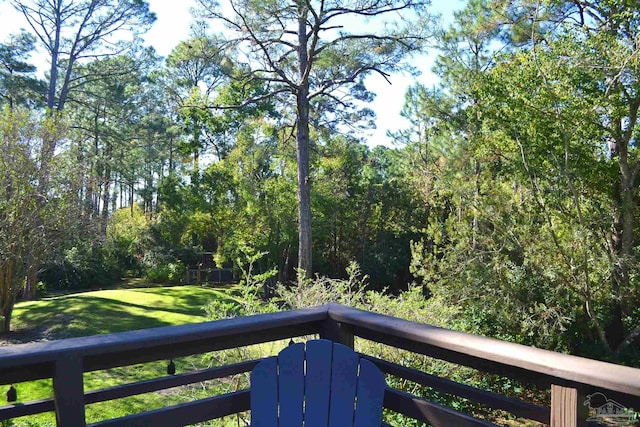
[(567, 407)]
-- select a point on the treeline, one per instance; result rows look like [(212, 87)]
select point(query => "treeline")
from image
[(135, 164), (512, 195)]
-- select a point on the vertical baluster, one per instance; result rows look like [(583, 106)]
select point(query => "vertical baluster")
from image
[(567, 407), (68, 390), (337, 332)]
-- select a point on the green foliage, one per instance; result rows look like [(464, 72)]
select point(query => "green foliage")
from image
[(353, 291), (18, 85), (84, 266), (88, 265), (125, 232), (513, 197), (171, 273), (36, 201), (27, 423), (364, 211), (522, 156)]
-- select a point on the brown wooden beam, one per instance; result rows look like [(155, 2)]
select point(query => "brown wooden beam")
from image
[(24, 362), (164, 383), (567, 407), (516, 407)]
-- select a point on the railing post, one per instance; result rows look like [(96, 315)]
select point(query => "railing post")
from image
[(567, 407), (68, 391), (337, 332)]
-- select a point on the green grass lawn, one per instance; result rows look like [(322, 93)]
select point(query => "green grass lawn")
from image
[(118, 310)]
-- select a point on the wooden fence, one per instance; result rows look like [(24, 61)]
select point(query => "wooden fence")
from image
[(197, 276)]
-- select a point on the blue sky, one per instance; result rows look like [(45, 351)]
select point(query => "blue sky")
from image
[(173, 25)]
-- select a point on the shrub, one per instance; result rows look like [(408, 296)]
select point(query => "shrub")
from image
[(170, 273), (412, 304)]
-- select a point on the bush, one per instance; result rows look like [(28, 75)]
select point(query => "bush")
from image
[(83, 266), (411, 304), (170, 273)]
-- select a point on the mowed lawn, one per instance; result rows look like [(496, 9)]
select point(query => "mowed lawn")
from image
[(118, 310)]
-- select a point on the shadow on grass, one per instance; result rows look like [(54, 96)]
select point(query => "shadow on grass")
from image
[(74, 316), (104, 312)]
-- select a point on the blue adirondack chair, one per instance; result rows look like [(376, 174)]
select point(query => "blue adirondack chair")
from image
[(324, 384)]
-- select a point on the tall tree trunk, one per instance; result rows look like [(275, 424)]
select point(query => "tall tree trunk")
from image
[(7, 300), (32, 281), (131, 191), (614, 333), (171, 156), (105, 199), (303, 141), (53, 71), (622, 236), (476, 201)]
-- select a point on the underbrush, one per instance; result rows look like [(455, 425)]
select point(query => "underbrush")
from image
[(413, 305)]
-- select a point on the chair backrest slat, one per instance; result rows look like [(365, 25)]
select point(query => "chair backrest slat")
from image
[(318, 383), (291, 385), (369, 401), (324, 384), (264, 393), (344, 373)]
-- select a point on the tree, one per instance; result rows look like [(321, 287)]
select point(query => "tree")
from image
[(23, 224), (73, 32), (318, 53), (194, 72), (594, 98), (551, 232), (18, 85), (118, 120), (366, 212), (76, 31)]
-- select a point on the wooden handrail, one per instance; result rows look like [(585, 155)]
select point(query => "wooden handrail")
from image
[(472, 350), (24, 362)]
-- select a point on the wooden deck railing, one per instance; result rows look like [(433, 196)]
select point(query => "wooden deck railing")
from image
[(570, 379)]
